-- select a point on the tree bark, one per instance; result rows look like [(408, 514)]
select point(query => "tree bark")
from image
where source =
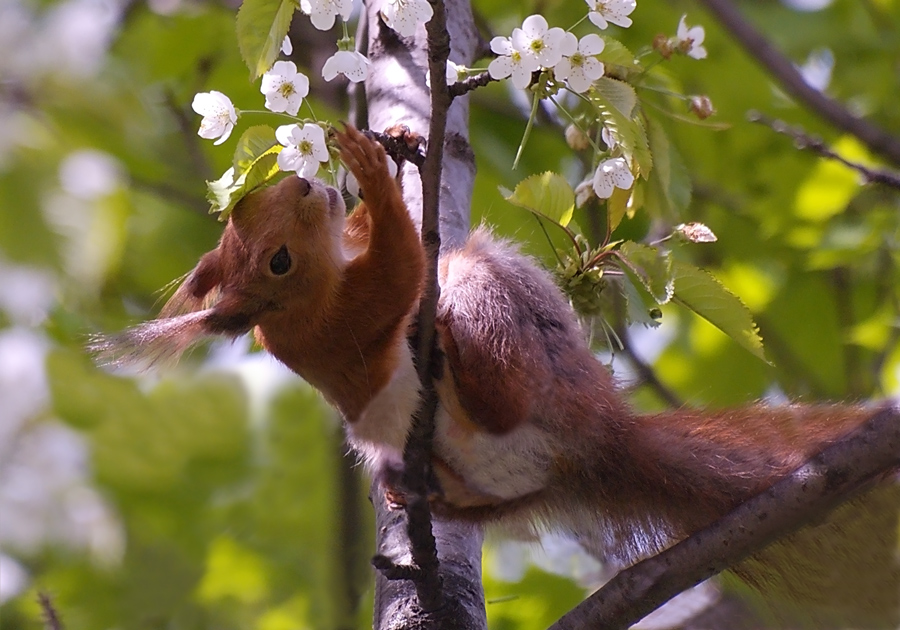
[(396, 93)]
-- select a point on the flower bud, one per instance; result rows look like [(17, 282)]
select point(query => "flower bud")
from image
[(663, 45), (576, 138), (702, 107)]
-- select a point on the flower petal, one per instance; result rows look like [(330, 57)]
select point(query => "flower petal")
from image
[(285, 134), (535, 26), (591, 44), (500, 68)]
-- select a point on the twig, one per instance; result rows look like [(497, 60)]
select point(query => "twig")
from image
[(51, 617), (825, 481), (646, 372), (782, 70), (417, 454), (803, 140), (396, 146), (463, 87)]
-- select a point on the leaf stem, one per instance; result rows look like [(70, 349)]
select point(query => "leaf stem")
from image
[(528, 126)]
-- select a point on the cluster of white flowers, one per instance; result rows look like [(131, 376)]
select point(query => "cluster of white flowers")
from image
[(284, 87), (535, 45)]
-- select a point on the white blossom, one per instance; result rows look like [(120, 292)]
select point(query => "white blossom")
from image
[(219, 115), (608, 137), (284, 88), (453, 72), (322, 12), (535, 39), (610, 174), (511, 62), (304, 148), (580, 68), (350, 63), (690, 39), (606, 12), (286, 46), (404, 16)]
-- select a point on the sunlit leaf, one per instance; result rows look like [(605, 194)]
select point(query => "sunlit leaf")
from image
[(652, 266), (254, 142), (616, 54), (699, 291), (548, 195), (670, 179), (224, 193), (619, 94), (261, 27), (627, 131)]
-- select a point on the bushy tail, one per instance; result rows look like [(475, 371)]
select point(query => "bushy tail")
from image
[(708, 462), (842, 570)]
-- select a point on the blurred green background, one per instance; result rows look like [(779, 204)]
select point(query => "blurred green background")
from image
[(219, 494)]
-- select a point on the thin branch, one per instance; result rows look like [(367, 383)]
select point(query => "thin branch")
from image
[(417, 454), (463, 87), (787, 75), (646, 372), (821, 484), (803, 140), (399, 146), (51, 617)]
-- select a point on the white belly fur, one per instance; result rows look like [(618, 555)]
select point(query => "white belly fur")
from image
[(505, 466)]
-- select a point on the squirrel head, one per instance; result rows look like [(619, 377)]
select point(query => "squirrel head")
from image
[(280, 251)]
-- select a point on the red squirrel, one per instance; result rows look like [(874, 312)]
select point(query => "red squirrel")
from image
[(531, 427)]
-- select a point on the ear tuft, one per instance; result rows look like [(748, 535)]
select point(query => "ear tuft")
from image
[(155, 343)]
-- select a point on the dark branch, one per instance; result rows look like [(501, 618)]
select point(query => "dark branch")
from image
[(462, 87), (646, 372), (783, 71), (417, 454), (51, 617), (803, 140), (397, 146), (820, 485)]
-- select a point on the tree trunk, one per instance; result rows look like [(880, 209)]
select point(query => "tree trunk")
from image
[(396, 94)]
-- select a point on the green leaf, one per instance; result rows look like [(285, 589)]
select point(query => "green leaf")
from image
[(619, 94), (699, 291), (628, 131), (548, 195), (652, 266), (616, 54), (617, 207), (641, 307), (255, 162), (254, 143), (261, 28), (670, 181), (224, 193)]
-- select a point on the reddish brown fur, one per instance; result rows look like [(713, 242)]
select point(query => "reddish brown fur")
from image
[(531, 424)]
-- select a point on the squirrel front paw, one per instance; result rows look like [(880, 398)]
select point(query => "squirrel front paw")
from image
[(367, 160)]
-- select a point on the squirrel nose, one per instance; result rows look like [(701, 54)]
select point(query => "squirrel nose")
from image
[(304, 186)]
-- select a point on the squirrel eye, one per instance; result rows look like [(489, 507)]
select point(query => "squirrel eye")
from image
[(281, 262)]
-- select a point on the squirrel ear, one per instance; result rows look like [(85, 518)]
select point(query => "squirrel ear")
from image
[(206, 275), (194, 292)]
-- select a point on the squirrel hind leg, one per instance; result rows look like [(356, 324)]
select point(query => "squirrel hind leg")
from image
[(512, 343)]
